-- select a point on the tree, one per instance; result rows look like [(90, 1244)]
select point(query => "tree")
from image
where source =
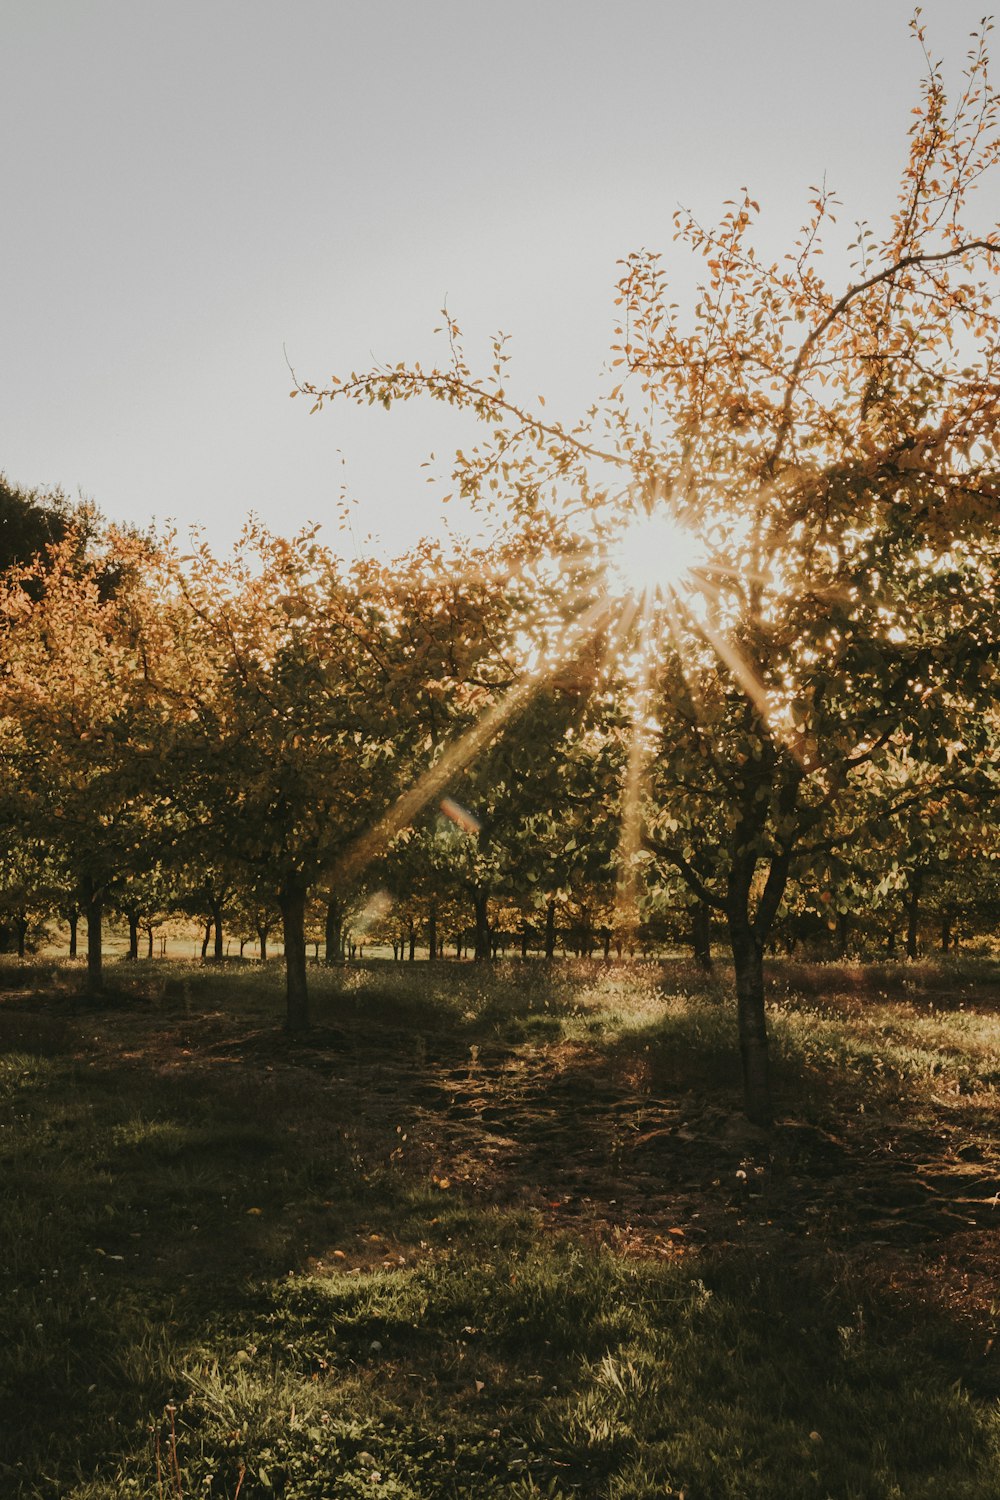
[(30, 522), (822, 464), (306, 695), (147, 895), (283, 724), (71, 697)]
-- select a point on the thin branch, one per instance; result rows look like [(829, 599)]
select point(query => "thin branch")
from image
[(858, 289), (684, 866)]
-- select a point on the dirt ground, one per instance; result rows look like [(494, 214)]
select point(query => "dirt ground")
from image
[(597, 1142)]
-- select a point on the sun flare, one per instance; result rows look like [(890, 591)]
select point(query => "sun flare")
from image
[(653, 555)]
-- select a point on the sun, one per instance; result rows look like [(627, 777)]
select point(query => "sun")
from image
[(653, 555), (643, 576)]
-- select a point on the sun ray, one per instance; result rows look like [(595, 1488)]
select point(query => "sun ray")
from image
[(618, 634), (755, 689), (657, 578), (461, 751), (675, 627), (741, 669), (639, 755)]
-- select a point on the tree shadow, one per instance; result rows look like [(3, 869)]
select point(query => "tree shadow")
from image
[(175, 1167)]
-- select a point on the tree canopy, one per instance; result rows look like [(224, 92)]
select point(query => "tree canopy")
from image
[(733, 655), (824, 460)]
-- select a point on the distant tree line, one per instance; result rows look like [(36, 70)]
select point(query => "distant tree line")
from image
[(227, 740)]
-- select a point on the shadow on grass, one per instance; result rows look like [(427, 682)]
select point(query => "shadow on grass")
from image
[(196, 1212)]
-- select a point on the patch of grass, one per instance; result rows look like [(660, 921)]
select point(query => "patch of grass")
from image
[(552, 1370), (897, 1051), (212, 1279)]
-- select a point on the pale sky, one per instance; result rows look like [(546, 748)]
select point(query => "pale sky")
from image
[(190, 186)]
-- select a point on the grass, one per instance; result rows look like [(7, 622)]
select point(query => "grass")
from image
[(497, 1234)]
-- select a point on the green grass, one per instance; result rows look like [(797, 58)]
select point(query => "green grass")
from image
[(214, 1278)]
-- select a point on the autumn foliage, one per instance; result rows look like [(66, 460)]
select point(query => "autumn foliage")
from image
[(797, 727)]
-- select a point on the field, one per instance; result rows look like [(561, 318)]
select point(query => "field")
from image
[(498, 1233)]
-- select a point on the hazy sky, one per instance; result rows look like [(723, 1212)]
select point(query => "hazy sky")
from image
[(189, 187)]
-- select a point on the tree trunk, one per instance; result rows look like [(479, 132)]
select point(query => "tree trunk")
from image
[(701, 935), (843, 933), (606, 936), (334, 932), (133, 936), (550, 930), (206, 939), (482, 914), (292, 901), (946, 938), (412, 940), (21, 926), (458, 947), (93, 911), (74, 918), (149, 941), (524, 939), (748, 963), (913, 913), (217, 924), (262, 940), (432, 931)]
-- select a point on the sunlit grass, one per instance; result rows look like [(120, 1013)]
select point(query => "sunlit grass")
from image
[(169, 1236)]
